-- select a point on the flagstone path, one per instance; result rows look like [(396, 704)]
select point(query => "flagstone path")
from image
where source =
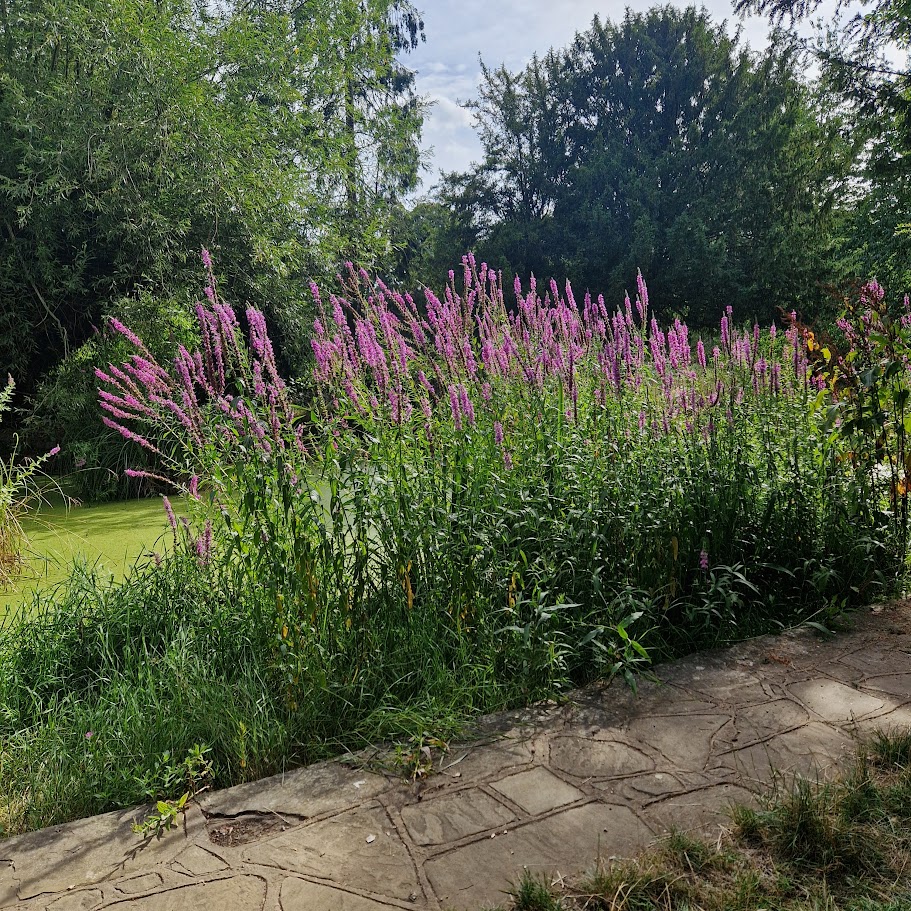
[(552, 789)]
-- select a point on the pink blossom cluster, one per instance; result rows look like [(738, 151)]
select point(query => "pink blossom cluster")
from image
[(209, 397), (466, 354)]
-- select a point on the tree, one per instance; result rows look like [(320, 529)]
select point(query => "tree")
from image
[(658, 143), (135, 132), (371, 116), (858, 57)]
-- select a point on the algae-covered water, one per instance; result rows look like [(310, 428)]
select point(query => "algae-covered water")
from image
[(109, 536)]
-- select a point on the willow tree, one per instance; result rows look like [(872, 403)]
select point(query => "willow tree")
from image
[(136, 131)]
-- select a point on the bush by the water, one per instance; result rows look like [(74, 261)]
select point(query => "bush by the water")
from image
[(478, 506)]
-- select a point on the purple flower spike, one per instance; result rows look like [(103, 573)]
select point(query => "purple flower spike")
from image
[(172, 520), (454, 405), (128, 334)]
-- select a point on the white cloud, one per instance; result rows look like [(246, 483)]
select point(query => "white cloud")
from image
[(449, 116)]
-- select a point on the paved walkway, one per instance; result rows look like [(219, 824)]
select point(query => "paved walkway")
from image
[(552, 789)]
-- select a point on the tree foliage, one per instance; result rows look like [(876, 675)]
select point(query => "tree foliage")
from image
[(866, 68), (134, 132), (655, 143)]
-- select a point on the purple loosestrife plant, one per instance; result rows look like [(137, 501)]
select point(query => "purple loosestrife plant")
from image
[(208, 400), (219, 418), (515, 474), (472, 361), (451, 380)]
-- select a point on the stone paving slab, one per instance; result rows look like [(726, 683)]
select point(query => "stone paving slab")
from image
[(550, 788)]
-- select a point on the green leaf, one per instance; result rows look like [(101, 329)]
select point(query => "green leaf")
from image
[(820, 628)]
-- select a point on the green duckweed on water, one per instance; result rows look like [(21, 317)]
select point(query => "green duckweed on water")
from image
[(109, 536)]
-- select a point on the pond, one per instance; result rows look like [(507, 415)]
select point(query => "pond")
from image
[(110, 536)]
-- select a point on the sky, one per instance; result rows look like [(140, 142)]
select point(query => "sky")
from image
[(509, 32)]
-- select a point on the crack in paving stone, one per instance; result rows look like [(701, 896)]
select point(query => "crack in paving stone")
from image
[(451, 817), (415, 854), (312, 791), (240, 892), (145, 882), (780, 716), (686, 748), (9, 884), (197, 861), (892, 684), (698, 810), (537, 791), (77, 901), (585, 758), (469, 876), (360, 846), (300, 894), (240, 814)]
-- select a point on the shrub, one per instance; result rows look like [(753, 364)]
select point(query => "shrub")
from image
[(866, 398)]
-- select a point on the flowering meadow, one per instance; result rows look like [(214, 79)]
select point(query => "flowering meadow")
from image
[(482, 497)]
